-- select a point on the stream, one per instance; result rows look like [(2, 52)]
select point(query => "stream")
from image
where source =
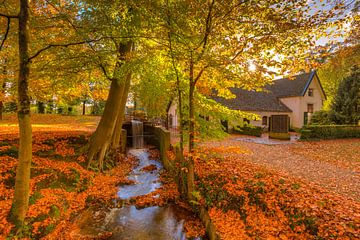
[(157, 223), (128, 222)]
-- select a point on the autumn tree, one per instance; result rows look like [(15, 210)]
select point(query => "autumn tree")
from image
[(115, 23), (218, 40), (336, 68), (19, 12), (338, 64)]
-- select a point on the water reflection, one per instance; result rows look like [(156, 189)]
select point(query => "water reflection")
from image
[(158, 223)]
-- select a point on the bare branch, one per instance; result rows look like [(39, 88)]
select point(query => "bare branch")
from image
[(62, 45), (208, 26), (6, 33)]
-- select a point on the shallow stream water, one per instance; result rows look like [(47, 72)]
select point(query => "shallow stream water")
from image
[(157, 223)]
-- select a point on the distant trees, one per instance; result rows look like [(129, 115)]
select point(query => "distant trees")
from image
[(346, 106), (336, 69)]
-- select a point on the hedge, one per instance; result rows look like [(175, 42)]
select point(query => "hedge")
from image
[(330, 131), (249, 130)]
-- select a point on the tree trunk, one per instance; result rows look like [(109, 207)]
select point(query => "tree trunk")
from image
[(21, 195), (1, 110), (41, 107), (101, 139), (84, 108), (119, 122), (3, 86), (191, 178)]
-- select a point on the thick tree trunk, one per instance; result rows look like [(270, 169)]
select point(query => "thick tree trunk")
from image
[(119, 122), (101, 139), (22, 180), (190, 177)]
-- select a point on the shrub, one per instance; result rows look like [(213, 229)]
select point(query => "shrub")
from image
[(321, 117), (249, 130), (98, 108), (330, 131)]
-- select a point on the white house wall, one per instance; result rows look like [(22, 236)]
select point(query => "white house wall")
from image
[(316, 99), (293, 103), (173, 112), (299, 104)]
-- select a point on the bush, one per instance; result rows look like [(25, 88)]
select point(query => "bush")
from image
[(330, 131), (10, 107), (249, 130), (322, 117), (98, 108)]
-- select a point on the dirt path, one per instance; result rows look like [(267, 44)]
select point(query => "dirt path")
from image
[(279, 157)]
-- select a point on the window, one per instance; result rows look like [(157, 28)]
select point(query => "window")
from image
[(264, 120), (310, 92), (310, 108), (306, 118)]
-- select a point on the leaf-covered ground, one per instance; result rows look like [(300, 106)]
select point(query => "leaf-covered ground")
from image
[(61, 187), (252, 191), (332, 164), (343, 153)]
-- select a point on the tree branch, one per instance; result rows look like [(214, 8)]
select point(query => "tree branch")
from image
[(6, 33), (200, 73), (8, 16), (62, 45), (208, 26), (103, 69)]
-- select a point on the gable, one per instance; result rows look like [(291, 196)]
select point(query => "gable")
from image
[(315, 83)]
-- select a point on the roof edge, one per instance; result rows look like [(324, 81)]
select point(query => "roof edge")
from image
[(321, 87), (308, 82)]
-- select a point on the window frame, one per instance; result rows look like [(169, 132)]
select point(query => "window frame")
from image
[(310, 92), (310, 108), (265, 123)]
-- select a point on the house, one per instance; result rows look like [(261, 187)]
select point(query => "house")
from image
[(172, 115), (296, 98)]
